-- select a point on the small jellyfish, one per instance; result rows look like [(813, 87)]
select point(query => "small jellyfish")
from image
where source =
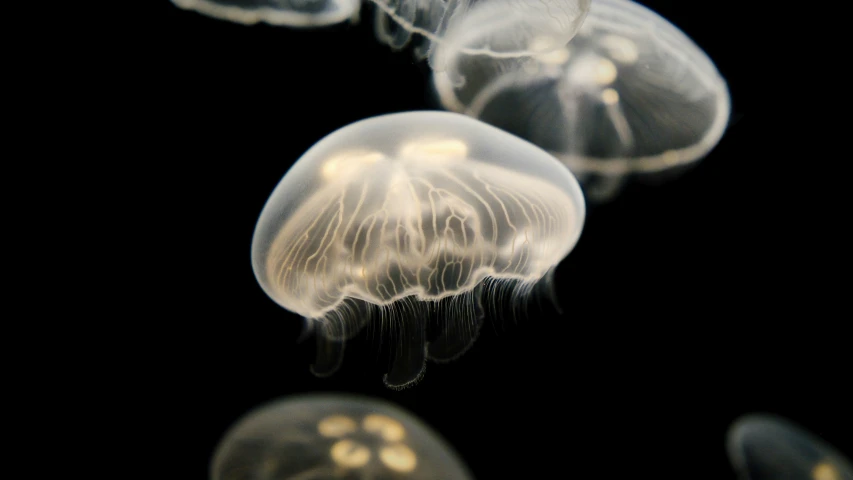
[(508, 29), (290, 13), (407, 217), (320, 437), (766, 447), (629, 94)]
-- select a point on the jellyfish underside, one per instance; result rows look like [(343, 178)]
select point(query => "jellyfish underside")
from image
[(291, 13), (765, 447), (403, 224), (440, 331), (421, 331), (333, 436), (628, 94)]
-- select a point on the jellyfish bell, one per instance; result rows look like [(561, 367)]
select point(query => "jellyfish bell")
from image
[(491, 28), (314, 437), (290, 13), (629, 94), (767, 447), (401, 218)]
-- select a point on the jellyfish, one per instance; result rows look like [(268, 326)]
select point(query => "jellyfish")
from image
[(327, 436), (629, 94), (290, 13), (507, 29), (766, 447), (402, 218)]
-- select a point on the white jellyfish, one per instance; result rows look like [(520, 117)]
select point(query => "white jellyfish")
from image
[(767, 447), (402, 216), (507, 29), (324, 436), (629, 94), (291, 13)]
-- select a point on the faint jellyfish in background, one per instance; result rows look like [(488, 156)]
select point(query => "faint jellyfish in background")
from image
[(507, 29), (314, 437), (406, 221), (289, 13), (630, 94), (766, 447)]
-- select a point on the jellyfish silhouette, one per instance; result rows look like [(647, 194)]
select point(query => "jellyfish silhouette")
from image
[(629, 94), (767, 447), (405, 217), (324, 436), (290, 13)]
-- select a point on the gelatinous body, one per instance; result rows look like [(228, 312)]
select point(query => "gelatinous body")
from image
[(629, 94), (291, 13), (508, 29), (404, 213), (316, 437), (766, 447)]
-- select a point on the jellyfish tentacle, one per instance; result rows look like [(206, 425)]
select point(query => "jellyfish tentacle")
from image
[(409, 362), (460, 331), (330, 355)]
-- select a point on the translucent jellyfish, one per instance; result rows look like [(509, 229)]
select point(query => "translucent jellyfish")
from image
[(291, 13), (765, 447), (508, 29), (412, 217), (316, 437), (629, 94)]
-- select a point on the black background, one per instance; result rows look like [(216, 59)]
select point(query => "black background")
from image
[(686, 304)]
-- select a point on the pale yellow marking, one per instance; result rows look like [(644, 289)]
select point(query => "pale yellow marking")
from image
[(386, 427), (610, 96), (825, 471), (620, 48), (349, 454), (346, 162), (605, 72), (435, 150), (399, 458), (336, 426)]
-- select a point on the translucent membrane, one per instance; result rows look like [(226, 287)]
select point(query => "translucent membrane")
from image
[(507, 29), (397, 216), (629, 94), (766, 447), (318, 437)]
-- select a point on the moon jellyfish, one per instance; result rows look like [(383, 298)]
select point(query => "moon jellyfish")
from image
[(412, 217), (629, 94), (492, 28), (316, 437), (291, 13), (765, 447)]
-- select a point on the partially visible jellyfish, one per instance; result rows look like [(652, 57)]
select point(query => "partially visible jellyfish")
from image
[(397, 21), (290, 13), (408, 218), (320, 437), (766, 447), (507, 29), (629, 94)]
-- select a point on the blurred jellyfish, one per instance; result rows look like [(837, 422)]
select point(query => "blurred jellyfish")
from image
[(629, 94), (316, 437), (765, 447), (410, 217), (508, 29), (290, 13)]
